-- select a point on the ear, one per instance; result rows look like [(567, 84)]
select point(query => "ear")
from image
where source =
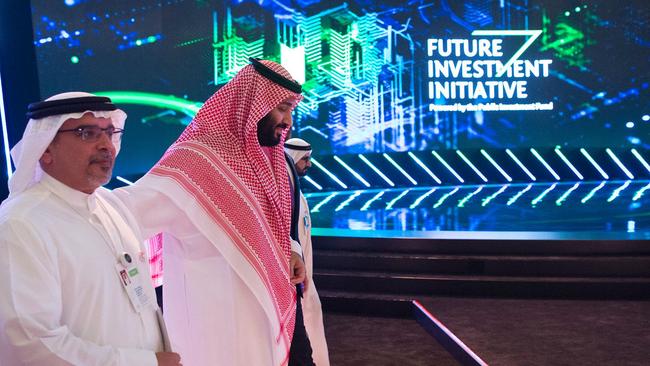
[(47, 158)]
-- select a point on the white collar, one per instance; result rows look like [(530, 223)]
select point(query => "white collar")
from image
[(77, 199)]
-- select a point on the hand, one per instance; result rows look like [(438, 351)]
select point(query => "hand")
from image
[(168, 359), (297, 269)]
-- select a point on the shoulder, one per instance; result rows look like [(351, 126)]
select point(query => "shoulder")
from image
[(28, 206)]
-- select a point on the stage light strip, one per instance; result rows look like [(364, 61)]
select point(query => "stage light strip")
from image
[(419, 200), (323, 202), (352, 197), (617, 191), (568, 163), (5, 137), (329, 174), (374, 168), (394, 163), (124, 180), (443, 162), (349, 169), (641, 159), (566, 194), (541, 160), (593, 162), (539, 198), (370, 201), (640, 192), (619, 163), (494, 195), (472, 358), (591, 194), (421, 164), (521, 165), (494, 163), (444, 197), (463, 201), (474, 168), (514, 198), (313, 182), (390, 204)]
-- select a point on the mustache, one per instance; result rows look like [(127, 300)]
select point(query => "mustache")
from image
[(102, 157)]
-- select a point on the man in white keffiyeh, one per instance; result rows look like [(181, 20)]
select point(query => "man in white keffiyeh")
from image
[(70, 251), (300, 152)]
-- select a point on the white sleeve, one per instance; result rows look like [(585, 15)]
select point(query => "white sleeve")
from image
[(296, 247), (154, 212), (31, 306)]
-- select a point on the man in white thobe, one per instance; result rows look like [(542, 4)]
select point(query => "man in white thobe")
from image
[(300, 151), (74, 279)]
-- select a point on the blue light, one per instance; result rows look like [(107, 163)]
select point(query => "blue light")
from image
[(630, 226), (313, 182), (421, 164), (441, 160), (641, 159), (323, 202), (618, 191), (489, 198), (619, 163), (566, 194), (568, 163), (5, 138), (521, 165), (541, 196), (474, 168), (541, 160), (463, 201), (373, 199), (374, 168), (593, 162), (329, 174), (349, 169), (629, 124), (394, 163), (417, 202), (640, 192), (124, 180), (70, 2), (390, 204), (593, 191), (347, 201), (494, 163), (519, 194), (444, 197), (646, 117)]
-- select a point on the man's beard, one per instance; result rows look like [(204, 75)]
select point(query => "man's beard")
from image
[(266, 133)]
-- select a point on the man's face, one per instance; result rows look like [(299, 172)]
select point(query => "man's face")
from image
[(303, 165), (81, 165), (271, 126)]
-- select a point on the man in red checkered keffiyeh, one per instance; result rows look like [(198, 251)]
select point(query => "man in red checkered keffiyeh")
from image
[(220, 195)]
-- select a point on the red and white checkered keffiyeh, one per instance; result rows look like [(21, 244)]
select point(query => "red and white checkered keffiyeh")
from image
[(219, 161)]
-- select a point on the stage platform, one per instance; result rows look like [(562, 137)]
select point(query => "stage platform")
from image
[(377, 250)]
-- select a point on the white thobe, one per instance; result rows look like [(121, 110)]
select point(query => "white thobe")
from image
[(311, 306), (217, 310), (61, 299)]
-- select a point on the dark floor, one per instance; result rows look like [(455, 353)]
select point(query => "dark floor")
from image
[(357, 340), (501, 332), (549, 332)]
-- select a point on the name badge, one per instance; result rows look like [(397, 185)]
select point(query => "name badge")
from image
[(133, 283)]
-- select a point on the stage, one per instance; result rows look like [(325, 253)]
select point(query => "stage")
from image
[(563, 210)]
